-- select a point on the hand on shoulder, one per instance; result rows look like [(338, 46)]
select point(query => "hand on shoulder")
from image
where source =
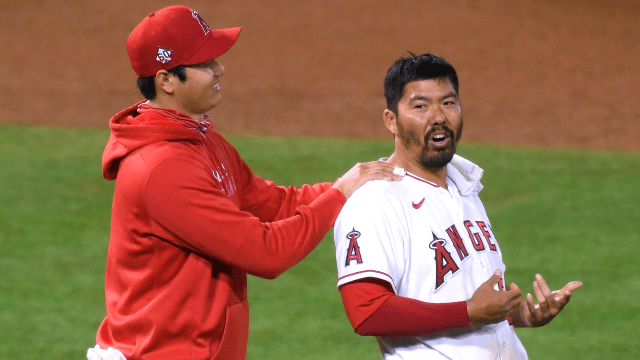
[(363, 172)]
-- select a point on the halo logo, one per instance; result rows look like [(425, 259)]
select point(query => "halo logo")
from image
[(353, 253), (203, 24)]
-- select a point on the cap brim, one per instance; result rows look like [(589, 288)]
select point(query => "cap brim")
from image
[(220, 42)]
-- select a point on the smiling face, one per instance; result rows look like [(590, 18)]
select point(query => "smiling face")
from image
[(201, 90), (427, 126)]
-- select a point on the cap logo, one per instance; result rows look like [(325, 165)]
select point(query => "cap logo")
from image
[(164, 55), (203, 24)]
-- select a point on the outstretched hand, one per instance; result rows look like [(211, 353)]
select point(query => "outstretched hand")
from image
[(363, 172), (488, 305), (550, 303)]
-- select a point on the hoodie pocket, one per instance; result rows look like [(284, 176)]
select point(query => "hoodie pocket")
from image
[(233, 345)]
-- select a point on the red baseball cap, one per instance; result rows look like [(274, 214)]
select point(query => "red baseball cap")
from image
[(175, 35)]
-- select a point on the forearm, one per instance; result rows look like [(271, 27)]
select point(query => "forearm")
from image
[(401, 316), (294, 197), (270, 250), (374, 309), (269, 202)]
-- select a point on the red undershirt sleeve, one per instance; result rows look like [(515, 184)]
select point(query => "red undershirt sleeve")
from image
[(374, 309)]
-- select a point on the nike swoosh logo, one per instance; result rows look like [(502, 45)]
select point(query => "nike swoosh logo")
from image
[(417, 206)]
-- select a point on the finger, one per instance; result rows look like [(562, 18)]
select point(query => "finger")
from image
[(386, 170), (398, 172), (533, 309), (562, 299), (514, 290), (399, 175), (546, 292), (543, 285), (516, 305), (542, 301), (563, 295), (383, 171), (571, 287), (514, 293)]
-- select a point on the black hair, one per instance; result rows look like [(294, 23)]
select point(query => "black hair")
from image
[(412, 68), (147, 84)]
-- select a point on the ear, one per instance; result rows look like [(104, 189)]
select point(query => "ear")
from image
[(390, 121), (164, 82)]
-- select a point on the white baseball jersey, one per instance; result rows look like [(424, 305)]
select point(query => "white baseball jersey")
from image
[(431, 244)]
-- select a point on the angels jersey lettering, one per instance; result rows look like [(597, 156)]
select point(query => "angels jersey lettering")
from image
[(431, 244)]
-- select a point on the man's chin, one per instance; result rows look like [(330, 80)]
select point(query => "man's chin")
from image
[(439, 160)]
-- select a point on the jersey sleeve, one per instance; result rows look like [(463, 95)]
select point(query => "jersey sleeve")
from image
[(369, 239), (374, 309)]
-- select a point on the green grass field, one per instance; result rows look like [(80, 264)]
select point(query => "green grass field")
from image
[(567, 214)]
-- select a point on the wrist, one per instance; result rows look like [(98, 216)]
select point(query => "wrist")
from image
[(473, 323)]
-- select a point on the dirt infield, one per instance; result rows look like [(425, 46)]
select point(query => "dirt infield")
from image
[(543, 72)]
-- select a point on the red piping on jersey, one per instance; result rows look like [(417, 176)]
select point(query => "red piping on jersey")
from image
[(366, 271), (421, 179)]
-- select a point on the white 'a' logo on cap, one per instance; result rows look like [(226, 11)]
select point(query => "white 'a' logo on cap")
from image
[(203, 24)]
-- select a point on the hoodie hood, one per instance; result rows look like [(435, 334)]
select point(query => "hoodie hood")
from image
[(132, 129)]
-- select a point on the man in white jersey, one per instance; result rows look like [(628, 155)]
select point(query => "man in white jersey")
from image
[(418, 263)]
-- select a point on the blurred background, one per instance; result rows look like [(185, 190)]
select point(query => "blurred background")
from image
[(544, 72)]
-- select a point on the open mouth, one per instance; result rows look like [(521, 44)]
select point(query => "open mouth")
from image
[(440, 139)]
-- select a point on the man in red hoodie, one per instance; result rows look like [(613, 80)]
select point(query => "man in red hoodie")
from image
[(189, 218)]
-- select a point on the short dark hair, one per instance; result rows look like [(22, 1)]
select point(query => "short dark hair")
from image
[(412, 68), (147, 84)]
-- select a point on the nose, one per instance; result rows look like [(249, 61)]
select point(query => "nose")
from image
[(218, 69), (438, 117)]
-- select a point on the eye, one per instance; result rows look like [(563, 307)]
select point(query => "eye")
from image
[(205, 65)]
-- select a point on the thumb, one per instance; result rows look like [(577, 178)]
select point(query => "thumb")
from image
[(495, 278), (572, 286)]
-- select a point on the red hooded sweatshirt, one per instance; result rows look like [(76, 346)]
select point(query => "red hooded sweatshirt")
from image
[(189, 222)]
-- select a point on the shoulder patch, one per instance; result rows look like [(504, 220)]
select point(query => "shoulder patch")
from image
[(353, 252)]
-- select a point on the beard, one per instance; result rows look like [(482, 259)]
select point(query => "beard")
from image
[(431, 157)]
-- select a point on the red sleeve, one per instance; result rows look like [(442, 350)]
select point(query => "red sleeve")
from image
[(188, 209), (269, 202), (264, 199), (374, 309)]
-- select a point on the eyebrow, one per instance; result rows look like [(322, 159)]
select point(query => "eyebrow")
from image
[(205, 64), (451, 94)]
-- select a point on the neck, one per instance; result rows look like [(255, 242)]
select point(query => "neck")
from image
[(437, 176), (163, 103)]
